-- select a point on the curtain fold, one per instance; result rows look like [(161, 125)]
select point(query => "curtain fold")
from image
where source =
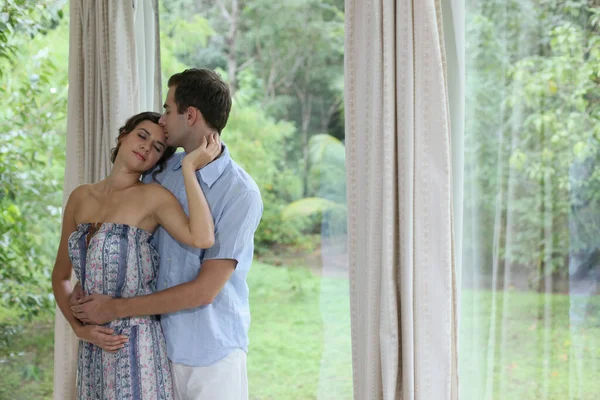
[(113, 67), (400, 229)]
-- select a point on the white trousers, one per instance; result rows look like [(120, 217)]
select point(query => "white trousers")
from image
[(226, 379)]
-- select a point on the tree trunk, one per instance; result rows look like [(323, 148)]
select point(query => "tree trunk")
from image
[(306, 113), (326, 118), (233, 19)]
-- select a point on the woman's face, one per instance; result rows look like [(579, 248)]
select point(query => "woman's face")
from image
[(143, 147)]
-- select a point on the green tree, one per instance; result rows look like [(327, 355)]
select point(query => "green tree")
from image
[(328, 186), (257, 142), (33, 93), (293, 50), (25, 18), (532, 114)]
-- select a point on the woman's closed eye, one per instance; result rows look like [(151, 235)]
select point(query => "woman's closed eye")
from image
[(144, 136)]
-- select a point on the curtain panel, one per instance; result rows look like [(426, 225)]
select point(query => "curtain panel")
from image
[(400, 202), (114, 72)]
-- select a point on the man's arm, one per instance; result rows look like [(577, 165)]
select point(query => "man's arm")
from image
[(200, 292), (100, 309), (233, 233)]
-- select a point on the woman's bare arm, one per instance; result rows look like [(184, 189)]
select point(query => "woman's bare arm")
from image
[(61, 274), (198, 229), (61, 285)]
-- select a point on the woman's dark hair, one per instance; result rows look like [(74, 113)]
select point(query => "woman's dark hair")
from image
[(129, 126)]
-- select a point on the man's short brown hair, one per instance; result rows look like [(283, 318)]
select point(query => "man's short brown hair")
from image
[(205, 90)]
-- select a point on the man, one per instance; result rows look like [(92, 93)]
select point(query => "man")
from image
[(202, 295)]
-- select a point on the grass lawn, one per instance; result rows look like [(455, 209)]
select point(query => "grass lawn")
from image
[(300, 344), (300, 335), (531, 351), (299, 341), (26, 359)]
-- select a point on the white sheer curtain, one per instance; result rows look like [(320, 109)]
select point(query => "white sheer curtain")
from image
[(399, 177), (114, 72), (453, 13)]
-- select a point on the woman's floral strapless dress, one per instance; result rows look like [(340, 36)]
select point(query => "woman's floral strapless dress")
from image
[(118, 260)]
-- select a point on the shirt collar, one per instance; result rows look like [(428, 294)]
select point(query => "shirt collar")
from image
[(213, 171)]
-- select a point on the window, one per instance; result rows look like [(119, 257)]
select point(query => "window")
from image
[(33, 103), (530, 304), (284, 64)]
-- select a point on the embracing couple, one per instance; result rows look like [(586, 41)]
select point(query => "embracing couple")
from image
[(161, 249)]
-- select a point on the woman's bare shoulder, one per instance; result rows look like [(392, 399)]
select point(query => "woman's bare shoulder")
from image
[(81, 191)]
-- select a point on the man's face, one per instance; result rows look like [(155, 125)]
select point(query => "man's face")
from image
[(173, 122)]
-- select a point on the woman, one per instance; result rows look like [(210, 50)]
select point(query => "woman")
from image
[(106, 238)]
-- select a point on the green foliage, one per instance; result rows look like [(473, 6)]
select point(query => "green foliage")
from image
[(33, 94), (263, 140), (532, 118), (257, 142), (327, 186), (275, 232), (25, 18), (308, 206), (181, 33), (289, 70), (292, 66), (32, 159), (327, 160)]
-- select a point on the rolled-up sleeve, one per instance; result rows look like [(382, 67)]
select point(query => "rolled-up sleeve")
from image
[(235, 227)]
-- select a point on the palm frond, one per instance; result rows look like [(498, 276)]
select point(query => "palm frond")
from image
[(310, 206)]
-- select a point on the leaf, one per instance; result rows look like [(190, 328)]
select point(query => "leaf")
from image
[(326, 149), (310, 206)]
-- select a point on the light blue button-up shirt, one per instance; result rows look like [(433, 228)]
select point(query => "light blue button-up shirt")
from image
[(204, 335)]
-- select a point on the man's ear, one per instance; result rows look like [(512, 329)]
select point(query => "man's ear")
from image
[(191, 115)]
